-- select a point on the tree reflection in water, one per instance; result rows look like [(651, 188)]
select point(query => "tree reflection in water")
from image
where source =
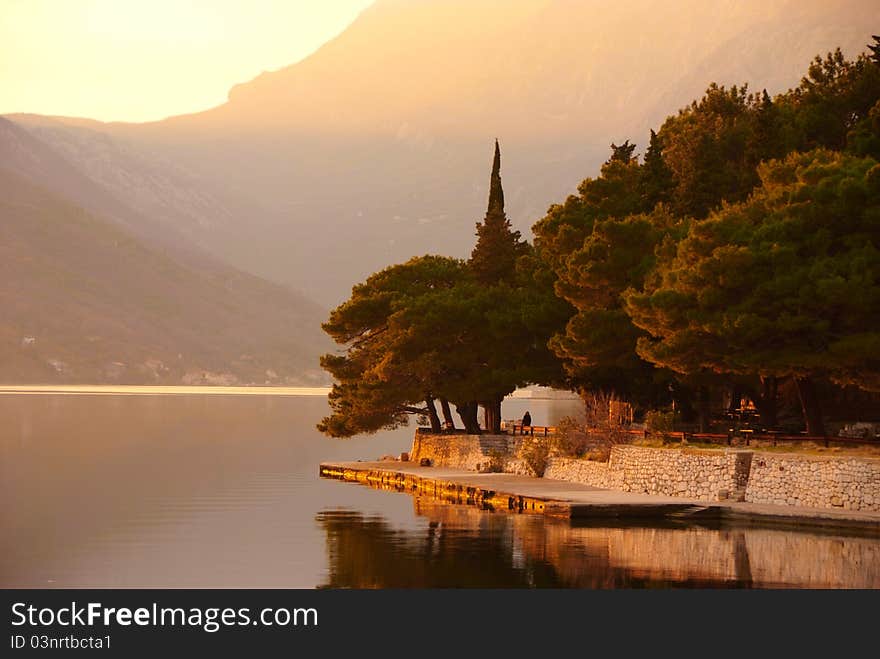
[(458, 546), (467, 548)]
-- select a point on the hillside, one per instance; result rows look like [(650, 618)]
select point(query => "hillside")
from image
[(153, 198), (85, 301), (376, 147)]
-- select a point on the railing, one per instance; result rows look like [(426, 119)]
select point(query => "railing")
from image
[(509, 429), (532, 430), (774, 438), (746, 435)]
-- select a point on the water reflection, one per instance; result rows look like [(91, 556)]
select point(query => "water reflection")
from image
[(168, 491), (223, 491), (461, 546)]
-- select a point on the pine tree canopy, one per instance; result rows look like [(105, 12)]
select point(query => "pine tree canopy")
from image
[(743, 249), (786, 283), (875, 49)]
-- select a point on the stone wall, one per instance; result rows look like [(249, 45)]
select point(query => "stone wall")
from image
[(697, 474), (705, 474), (708, 475), (816, 481), (471, 452), (588, 472)]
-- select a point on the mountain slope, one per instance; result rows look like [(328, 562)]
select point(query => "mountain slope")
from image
[(377, 147), (151, 197), (85, 301)]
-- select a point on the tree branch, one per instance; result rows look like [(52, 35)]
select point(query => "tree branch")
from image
[(414, 410)]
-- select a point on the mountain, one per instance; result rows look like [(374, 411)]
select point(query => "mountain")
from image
[(84, 300), (155, 199), (377, 147)]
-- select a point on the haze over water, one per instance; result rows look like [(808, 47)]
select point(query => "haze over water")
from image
[(214, 491)]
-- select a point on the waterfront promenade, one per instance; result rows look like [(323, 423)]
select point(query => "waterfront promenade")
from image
[(583, 502)]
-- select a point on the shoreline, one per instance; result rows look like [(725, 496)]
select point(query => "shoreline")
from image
[(574, 501)]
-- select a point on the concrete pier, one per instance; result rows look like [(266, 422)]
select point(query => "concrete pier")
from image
[(499, 491)]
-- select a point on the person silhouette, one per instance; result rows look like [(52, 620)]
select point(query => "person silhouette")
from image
[(526, 420)]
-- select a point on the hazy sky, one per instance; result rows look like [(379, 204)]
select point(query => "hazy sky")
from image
[(137, 60)]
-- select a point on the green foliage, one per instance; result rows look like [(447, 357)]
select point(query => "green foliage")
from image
[(745, 245), (571, 438), (875, 50), (440, 328), (565, 227), (660, 423), (623, 153), (655, 180), (376, 384), (785, 283), (832, 99), (599, 341), (498, 247), (535, 452), (864, 138), (595, 249), (710, 149), (603, 245)]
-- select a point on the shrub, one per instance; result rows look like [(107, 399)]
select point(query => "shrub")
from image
[(599, 454), (571, 438), (660, 424), (535, 452), (603, 419), (497, 463)]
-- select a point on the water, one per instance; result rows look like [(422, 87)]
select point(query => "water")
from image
[(223, 491)]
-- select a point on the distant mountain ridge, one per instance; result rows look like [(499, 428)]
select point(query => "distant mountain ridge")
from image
[(376, 147), (86, 301)]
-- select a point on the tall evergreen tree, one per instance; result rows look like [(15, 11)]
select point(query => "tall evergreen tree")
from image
[(493, 259), (875, 49), (656, 183)]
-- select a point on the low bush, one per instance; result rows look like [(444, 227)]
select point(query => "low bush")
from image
[(535, 452), (660, 424)]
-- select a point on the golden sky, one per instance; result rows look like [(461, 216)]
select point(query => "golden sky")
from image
[(138, 60)]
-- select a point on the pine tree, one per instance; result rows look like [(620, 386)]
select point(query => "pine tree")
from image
[(783, 284), (656, 178), (498, 247), (875, 49), (623, 152)]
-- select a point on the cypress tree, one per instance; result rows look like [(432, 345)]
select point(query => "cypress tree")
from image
[(493, 259)]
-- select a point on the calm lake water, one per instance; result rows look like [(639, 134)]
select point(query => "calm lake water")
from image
[(223, 491)]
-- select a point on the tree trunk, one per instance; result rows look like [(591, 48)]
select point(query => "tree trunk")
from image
[(703, 408), (468, 414), (492, 416), (496, 416), (810, 406), (449, 422), (432, 415), (735, 396), (766, 401)]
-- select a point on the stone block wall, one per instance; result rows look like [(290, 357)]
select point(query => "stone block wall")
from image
[(471, 452), (816, 481), (588, 472), (708, 475)]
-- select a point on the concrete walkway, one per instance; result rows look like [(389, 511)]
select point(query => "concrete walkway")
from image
[(576, 501)]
